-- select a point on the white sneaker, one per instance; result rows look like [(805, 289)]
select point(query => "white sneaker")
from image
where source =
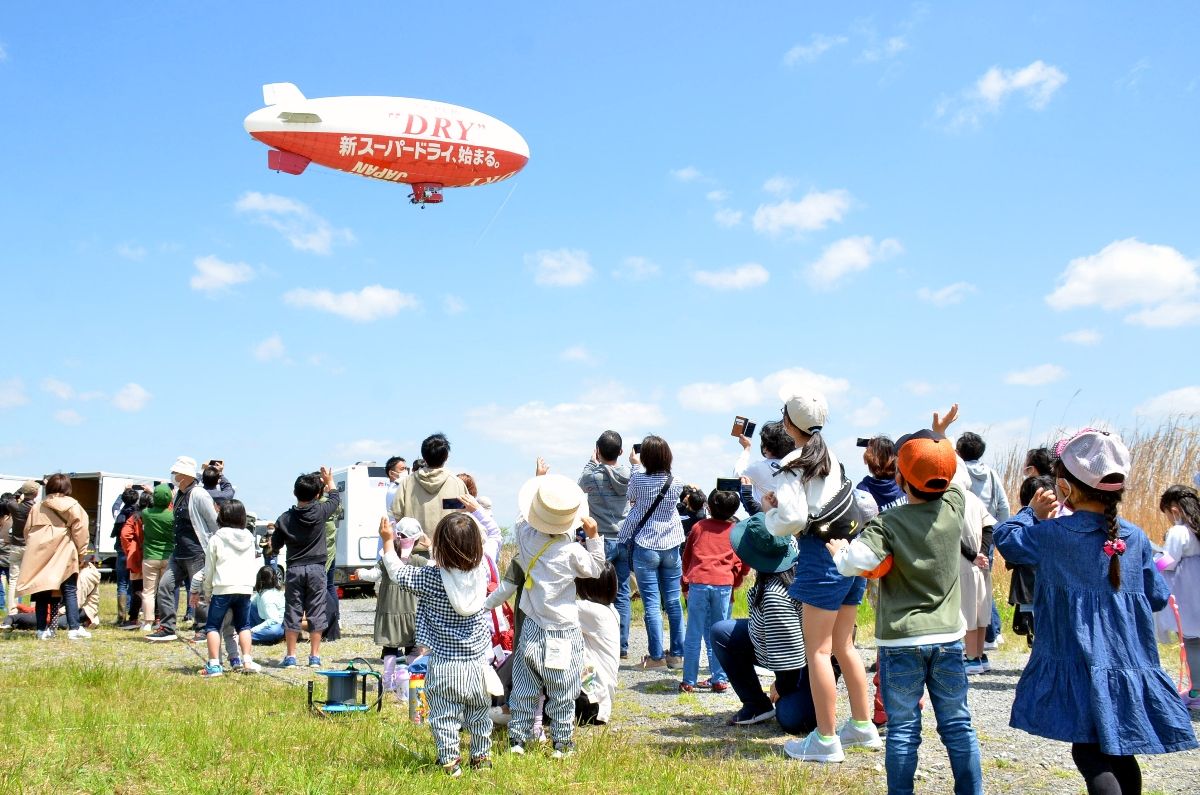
[(852, 736), (45, 634), (249, 666), (147, 627), (974, 667), (78, 634), (814, 749)]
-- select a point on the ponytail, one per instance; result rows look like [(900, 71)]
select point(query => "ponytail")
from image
[(813, 462)]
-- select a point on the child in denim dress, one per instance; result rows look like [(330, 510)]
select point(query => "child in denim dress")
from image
[(1094, 678)]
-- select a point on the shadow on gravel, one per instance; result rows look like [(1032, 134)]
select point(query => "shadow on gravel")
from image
[(656, 687), (719, 749), (995, 687)]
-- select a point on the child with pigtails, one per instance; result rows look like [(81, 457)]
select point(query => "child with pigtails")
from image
[(1094, 678)]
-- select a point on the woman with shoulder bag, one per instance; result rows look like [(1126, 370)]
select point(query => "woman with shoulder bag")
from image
[(56, 540), (654, 531)]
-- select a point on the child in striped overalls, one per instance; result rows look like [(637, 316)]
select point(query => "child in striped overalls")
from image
[(453, 625), (549, 656)]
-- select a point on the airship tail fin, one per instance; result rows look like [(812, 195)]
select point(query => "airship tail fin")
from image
[(279, 93)]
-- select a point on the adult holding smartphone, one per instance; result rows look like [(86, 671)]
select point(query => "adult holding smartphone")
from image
[(653, 531)]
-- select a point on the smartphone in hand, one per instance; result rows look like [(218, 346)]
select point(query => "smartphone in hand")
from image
[(453, 504), (742, 427), (729, 484)]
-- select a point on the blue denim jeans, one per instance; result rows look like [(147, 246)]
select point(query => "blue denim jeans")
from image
[(220, 604), (658, 575), (905, 672), (706, 605), (618, 554)]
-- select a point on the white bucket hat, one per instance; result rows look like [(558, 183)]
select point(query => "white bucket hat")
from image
[(184, 465), (552, 504)]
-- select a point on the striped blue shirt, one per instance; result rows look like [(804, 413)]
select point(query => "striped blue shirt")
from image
[(664, 530)]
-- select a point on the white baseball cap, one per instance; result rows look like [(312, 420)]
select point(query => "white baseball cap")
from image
[(806, 408), (1096, 458)]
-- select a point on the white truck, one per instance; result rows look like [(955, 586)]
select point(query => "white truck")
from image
[(96, 492), (10, 483), (364, 488)]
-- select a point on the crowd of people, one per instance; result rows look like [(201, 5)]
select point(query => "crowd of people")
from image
[(538, 645)]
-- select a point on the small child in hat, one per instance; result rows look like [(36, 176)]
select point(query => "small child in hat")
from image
[(549, 655), (1094, 678), (919, 626)]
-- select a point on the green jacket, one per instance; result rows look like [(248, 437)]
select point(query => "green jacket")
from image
[(158, 526)]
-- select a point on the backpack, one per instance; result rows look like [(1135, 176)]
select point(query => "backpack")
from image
[(502, 633)]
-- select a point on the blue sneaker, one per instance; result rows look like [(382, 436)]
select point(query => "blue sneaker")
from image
[(235, 663), (288, 662), (314, 661), (212, 670)]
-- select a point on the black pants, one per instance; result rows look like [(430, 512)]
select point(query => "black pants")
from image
[(135, 600), (1104, 774)]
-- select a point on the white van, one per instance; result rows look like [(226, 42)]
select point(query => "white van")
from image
[(364, 488)]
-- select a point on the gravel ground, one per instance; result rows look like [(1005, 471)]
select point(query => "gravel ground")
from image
[(648, 703)]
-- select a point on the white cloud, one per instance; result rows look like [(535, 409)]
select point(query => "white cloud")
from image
[(890, 48), (12, 393), (636, 269), (1156, 279), (1036, 83), (918, 387), (686, 174), (742, 277), (131, 397), (304, 229), (1036, 376), (68, 417), (566, 430), (131, 251), (869, 415), (369, 303), (849, 255), (753, 392), (1184, 401), (717, 195), (60, 389), (1125, 273), (1001, 437), (818, 44), (1131, 79), (453, 305), (270, 349), (727, 218), (378, 450), (563, 267), (948, 295), (1168, 315), (1083, 336), (577, 353), (815, 211), (214, 275), (779, 185)]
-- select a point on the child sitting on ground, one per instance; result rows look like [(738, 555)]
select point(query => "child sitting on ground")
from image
[(266, 608), (711, 573), (230, 566), (601, 646), (919, 627), (549, 658), (453, 625)]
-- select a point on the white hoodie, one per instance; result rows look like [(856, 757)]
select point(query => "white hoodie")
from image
[(230, 565), (466, 590)]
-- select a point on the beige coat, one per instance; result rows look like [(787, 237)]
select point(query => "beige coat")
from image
[(56, 539), (89, 594)]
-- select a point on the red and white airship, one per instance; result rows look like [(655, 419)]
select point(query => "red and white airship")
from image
[(427, 145)]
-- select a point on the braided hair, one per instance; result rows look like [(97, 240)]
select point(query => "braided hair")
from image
[(1187, 501), (1110, 500)]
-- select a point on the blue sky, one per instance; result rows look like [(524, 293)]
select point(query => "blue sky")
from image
[(906, 204)]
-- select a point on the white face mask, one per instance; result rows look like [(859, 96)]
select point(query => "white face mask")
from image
[(1064, 490)]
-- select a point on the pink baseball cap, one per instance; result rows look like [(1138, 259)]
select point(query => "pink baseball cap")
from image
[(1093, 456)]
